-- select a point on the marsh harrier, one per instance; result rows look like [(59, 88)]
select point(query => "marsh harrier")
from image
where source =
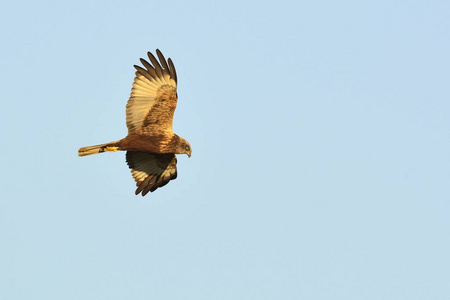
[(151, 144)]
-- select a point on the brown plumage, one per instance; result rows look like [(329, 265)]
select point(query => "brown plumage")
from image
[(151, 144)]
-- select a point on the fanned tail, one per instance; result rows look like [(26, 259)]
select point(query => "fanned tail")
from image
[(90, 150)]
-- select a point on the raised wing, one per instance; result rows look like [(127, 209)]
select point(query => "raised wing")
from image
[(151, 171), (153, 98)]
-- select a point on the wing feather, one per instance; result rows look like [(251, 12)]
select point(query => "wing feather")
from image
[(151, 171), (148, 66), (172, 71), (162, 59), (144, 73), (155, 63), (153, 97)]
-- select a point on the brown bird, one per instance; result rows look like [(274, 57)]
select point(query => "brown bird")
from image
[(151, 144)]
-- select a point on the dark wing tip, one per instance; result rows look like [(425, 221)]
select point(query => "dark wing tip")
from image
[(140, 69), (153, 60), (172, 71), (162, 59), (149, 74), (144, 62), (155, 63), (155, 68)]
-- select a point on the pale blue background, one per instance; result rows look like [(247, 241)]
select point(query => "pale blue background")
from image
[(320, 167)]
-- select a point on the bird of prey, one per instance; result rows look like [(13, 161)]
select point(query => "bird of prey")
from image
[(151, 144)]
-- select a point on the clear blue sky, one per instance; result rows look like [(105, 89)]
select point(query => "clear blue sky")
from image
[(321, 151)]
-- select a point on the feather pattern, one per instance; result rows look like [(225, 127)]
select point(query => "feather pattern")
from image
[(153, 97), (150, 170)]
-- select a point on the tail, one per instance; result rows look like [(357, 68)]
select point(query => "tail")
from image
[(108, 147)]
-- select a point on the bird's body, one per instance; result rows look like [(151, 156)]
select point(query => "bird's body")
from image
[(151, 144)]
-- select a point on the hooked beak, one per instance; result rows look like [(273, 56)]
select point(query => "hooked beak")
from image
[(189, 153)]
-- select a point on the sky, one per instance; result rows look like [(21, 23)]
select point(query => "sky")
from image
[(320, 166)]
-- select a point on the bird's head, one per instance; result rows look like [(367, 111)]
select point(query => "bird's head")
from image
[(186, 148)]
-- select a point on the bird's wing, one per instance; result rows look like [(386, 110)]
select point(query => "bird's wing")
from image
[(151, 171), (153, 98)]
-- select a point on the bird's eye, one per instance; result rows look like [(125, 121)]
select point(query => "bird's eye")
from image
[(187, 148)]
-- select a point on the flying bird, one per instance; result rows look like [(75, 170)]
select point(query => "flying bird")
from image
[(151, 144)]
